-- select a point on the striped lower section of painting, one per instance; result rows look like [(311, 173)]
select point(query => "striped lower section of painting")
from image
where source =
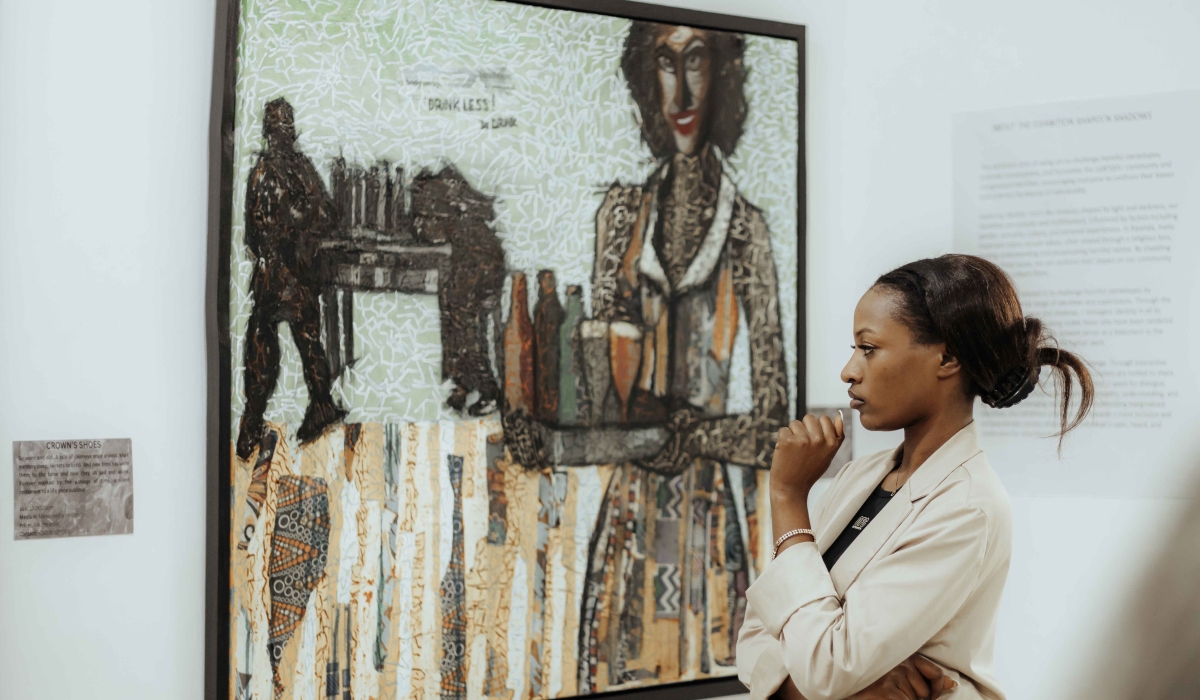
[(417, 561)]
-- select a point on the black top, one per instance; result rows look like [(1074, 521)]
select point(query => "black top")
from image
[(874, 503)]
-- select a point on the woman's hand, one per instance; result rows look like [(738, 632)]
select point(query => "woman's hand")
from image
[(916, 677), (804, 452)]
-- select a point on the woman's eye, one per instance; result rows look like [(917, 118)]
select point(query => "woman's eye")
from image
[(666, 65)]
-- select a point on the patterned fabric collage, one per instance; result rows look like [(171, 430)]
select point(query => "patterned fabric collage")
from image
[(415, 561)]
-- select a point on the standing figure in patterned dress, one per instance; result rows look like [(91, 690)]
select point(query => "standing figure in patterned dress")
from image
[(688, 260)]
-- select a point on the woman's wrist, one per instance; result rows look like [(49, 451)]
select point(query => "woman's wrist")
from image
[(789, 499), (789, 512), (791, 538)]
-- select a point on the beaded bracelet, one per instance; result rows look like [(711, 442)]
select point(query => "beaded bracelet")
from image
[(787, 536)]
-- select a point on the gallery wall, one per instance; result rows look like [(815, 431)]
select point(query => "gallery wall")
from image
[(104, 117)]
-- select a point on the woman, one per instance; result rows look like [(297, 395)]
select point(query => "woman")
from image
[(682, 256), (908, 550)]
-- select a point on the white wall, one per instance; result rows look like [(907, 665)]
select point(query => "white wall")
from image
[(103, 165)]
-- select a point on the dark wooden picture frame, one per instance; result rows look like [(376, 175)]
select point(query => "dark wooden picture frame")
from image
[(217, 309)]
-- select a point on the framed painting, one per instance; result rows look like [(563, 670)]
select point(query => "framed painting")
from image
[(505, 310)]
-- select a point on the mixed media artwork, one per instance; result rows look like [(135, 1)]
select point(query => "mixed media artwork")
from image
[(513, 322)]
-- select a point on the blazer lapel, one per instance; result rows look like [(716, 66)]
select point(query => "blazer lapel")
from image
[(867, 544), (853, 493), (952, 454)]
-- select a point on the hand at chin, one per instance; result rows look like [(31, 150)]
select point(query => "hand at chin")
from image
[(804, 452)]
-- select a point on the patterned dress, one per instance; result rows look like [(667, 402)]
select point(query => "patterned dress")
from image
[(685, 258)]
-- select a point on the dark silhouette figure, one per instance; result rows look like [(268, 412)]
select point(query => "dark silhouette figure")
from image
[(288, 211), (446, 209)]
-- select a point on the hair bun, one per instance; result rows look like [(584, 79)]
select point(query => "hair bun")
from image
[(1013, 388)]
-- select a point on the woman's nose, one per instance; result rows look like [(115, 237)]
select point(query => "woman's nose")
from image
[(850, 373)]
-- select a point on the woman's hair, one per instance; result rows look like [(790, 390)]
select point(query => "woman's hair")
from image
[(970, 305), (726, 96)]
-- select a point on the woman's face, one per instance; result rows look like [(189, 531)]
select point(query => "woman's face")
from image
[(684, 75), (894, 382)]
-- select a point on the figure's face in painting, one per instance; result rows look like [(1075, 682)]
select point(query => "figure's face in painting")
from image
[(684, 76)]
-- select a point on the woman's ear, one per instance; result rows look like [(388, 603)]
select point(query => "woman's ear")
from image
[(948, 365)]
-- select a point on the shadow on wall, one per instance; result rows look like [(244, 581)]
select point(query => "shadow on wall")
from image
[(1152, 648)]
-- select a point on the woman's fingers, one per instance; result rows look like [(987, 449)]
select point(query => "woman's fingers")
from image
[(828, 432), (916, 680), (813, 425), (927, 668), (939, 683), (942, 686)]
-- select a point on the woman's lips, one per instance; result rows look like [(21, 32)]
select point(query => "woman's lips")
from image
[(685, 122), (855, 402)]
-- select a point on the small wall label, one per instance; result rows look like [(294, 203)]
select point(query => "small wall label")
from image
[(72, 488)]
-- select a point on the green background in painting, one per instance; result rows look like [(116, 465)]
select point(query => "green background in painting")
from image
[(361, 77)]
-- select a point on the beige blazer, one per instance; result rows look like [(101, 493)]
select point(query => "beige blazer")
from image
[(926, 575)]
